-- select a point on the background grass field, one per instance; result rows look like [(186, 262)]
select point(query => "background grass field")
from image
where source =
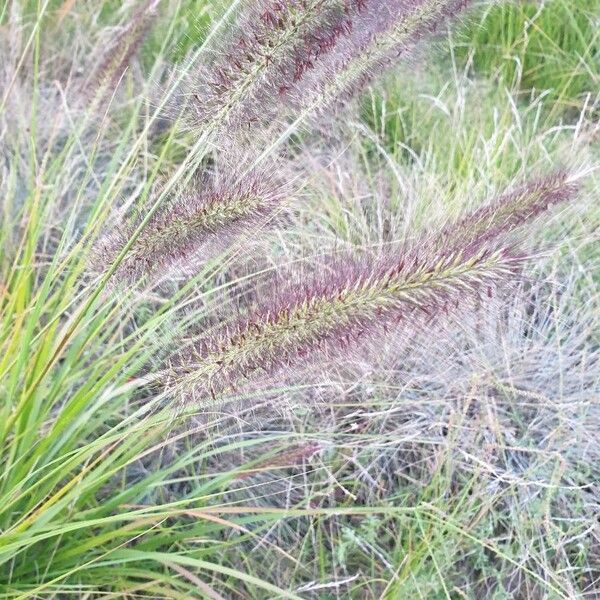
[(462, 469)]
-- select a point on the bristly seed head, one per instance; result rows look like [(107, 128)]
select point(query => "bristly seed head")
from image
[(380, 34), (105, 77), (511, 210), (329, 314), (304, 55), (201, 222), (231, 91)]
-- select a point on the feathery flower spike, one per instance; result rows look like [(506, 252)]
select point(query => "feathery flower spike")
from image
[(334, 312), (106, 76), (511, 210), (380, 33), (198, 225), (339, 310), (227, 92)]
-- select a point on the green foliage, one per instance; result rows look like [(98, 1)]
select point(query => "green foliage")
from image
[(551, 46), (189, 21)]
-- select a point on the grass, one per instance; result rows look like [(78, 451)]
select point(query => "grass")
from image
[(551, 47), (464, 466)]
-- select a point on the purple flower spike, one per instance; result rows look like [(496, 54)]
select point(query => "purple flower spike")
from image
[(325, 317), (511, 210), (197, 226), (306, 54)]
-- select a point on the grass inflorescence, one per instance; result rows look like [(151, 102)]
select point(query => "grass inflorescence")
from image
[(325, 317), (196, 225)]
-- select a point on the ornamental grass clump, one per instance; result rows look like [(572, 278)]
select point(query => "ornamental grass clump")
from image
[(341, 308), (107, 490)]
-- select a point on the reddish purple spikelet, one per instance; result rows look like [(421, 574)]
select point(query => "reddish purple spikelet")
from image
[(329, 314), (379, 33), (336, 23), (198, 225), (233, 90), (306, 54), (510, 210)]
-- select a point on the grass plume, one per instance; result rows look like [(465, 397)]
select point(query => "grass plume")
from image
[(200, 222), (304, 55), (378, 34), (339, 309), (105, 77), (511, 210), (333, 312), (266, 33)]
